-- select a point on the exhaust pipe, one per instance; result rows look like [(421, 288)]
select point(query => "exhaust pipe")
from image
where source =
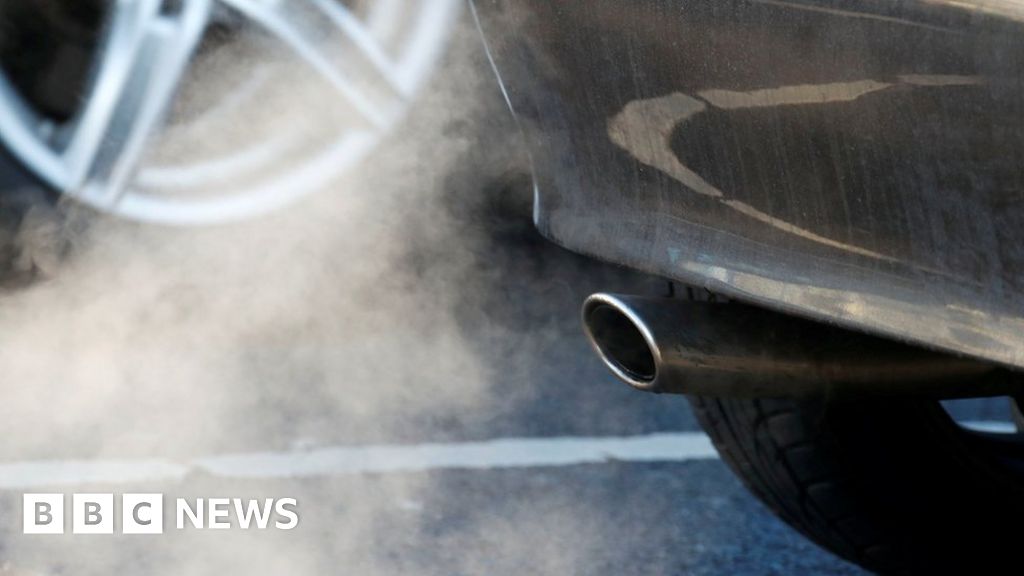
[(667, 345)]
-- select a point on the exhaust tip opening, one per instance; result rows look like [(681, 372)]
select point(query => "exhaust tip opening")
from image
[(622, 341)]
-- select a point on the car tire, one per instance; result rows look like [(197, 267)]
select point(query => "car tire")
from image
[(894, 485)]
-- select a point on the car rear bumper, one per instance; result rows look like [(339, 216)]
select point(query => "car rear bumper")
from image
[(847, 161)]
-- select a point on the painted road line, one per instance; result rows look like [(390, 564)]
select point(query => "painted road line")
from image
[(502, 453), (370, 459)]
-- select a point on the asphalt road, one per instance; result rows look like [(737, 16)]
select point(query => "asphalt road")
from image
[(151, 350)]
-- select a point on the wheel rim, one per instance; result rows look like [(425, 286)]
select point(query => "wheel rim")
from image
[(223, 132)]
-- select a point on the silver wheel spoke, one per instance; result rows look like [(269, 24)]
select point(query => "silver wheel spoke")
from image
[(299, 23), (162, 54), (364, 42), (144, 57)]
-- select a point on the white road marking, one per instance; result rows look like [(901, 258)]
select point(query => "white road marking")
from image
[(382, 459), (347, 460), (34, 474)]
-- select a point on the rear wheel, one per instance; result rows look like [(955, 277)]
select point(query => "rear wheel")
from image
[(894, 485)]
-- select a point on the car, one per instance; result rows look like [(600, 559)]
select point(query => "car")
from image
[(832, 190)]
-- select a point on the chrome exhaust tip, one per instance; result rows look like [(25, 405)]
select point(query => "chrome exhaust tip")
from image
[(622, 339), (668, 345)]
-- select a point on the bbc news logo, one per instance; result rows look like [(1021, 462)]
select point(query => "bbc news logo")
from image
[(144, 513)]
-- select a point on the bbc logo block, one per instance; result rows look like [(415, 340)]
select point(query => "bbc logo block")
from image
[(92, 513), (43, 513), (142, 513)]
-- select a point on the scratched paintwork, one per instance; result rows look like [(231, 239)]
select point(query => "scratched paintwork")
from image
[(855, 161)]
